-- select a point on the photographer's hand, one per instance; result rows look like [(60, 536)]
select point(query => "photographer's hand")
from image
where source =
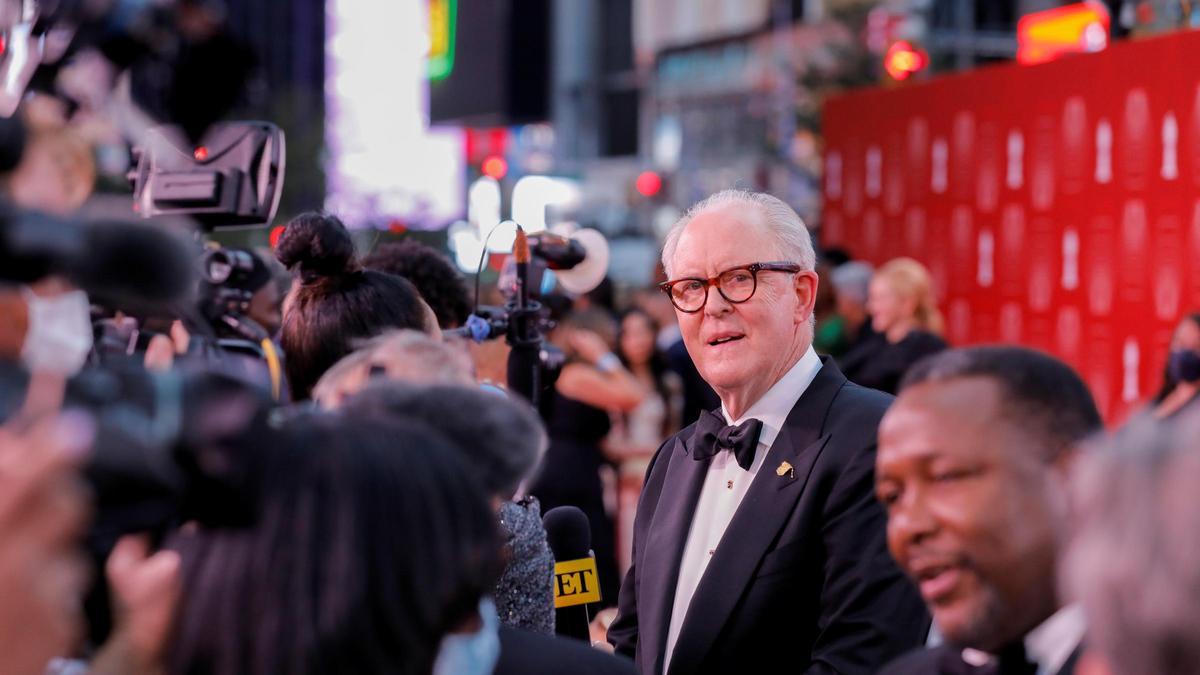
[(161, 351), (146, 591)]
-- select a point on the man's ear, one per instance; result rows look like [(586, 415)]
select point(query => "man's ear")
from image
[(805, 286)]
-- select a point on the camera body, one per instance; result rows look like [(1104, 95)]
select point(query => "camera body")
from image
[(225, 293), (233, 178)]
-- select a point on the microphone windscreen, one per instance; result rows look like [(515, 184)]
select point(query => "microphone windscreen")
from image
[(135, 267), (568, 533)]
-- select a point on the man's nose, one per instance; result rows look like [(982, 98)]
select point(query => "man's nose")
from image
[(716, 304), (910, 521)]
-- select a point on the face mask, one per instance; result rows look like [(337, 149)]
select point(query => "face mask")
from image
[(1184, 365), (471, 653), (59, 337)]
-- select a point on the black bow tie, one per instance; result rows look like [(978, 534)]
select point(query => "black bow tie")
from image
[(713, 436)]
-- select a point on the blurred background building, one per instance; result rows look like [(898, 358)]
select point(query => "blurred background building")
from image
[(443, 118)]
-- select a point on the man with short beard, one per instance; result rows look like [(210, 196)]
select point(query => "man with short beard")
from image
[(971, 466)]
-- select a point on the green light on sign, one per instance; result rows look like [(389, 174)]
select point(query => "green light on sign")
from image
[(443, 15)]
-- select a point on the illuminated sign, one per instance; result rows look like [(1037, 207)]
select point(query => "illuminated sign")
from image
[(443, 15), (1078, 28)]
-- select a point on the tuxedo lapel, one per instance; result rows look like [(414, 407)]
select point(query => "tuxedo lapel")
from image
[(664, 544), (766, 507)]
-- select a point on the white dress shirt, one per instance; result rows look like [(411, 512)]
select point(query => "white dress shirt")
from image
[(726, 484), (1049, 645), (1052, 642)]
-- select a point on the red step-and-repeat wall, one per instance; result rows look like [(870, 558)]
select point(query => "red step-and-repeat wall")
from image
[(1057, 206)]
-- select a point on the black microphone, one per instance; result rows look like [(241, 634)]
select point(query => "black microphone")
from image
[(524, 364), (575, 580), (139, 268), (560, 253)]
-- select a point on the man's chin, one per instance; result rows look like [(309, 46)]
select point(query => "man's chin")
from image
[(969, 624), (724, 384)]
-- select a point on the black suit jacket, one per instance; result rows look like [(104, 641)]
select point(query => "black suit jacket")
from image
[(946, 660), (802, 580), (524, 652)]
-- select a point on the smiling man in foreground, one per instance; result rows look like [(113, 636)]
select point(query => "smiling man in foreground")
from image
[(758, 544), (971, 469)]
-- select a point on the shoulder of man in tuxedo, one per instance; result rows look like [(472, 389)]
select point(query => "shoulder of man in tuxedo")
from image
[(852, 423), (858, 410)]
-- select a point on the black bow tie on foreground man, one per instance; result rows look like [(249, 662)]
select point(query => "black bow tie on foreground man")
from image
[(713, 436), (802, 581)]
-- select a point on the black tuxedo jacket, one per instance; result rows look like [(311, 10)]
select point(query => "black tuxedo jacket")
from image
[(946, 660), (802, 580)]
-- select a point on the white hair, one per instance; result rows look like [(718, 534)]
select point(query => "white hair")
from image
[(1131, 558), (407, 355), (791, 235)]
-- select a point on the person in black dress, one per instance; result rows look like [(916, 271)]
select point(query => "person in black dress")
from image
[(576, 412), (904, 313)]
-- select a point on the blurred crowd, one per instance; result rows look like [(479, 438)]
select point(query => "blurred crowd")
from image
[(389, 518)]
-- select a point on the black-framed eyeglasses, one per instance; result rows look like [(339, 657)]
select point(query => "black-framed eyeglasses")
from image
[(736, 285)]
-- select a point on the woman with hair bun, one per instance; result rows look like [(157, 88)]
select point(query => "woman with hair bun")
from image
[(335, 303), (904, 311)]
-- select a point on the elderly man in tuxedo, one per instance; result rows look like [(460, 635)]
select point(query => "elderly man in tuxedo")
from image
[(758, 544), (972, 468)]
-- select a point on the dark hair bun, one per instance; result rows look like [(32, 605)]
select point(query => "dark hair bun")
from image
[(316, 245)]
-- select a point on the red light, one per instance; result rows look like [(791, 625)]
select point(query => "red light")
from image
[(200, 153), (397, 227), (494, 167), (276, 232), (903, 59), (648, 183)]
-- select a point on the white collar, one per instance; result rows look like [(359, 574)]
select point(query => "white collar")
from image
[(775, 405), (1053, 641)]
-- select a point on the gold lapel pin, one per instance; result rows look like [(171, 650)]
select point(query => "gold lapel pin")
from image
[(785, 467)]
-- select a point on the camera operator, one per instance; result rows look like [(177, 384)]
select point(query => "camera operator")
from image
[(335, 302)]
